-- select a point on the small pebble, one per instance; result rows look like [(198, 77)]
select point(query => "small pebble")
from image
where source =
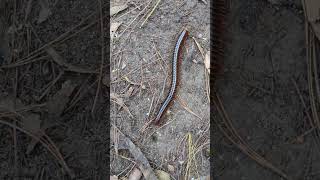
[(170, 168)]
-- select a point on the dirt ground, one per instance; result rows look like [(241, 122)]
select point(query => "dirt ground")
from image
[(54, 90), (140, 78), (50, 59), (265, 56)]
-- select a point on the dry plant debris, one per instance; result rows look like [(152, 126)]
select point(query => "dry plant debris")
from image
[(57, 103), (114, 177), (29, 123), (68, 67), (55, 107), (185, 106), (312, 57), (140, 159), (162, 175), (135, 174), (45, 11), (116, 9), (227, 128), (205, 58), (117, 99), (46, 47), (158, 2), (207, 61), (113, 29), (312, 15), (136, 67)]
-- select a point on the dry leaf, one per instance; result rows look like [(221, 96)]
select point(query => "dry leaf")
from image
[(113, 29), (124, 65), (55, 56), (207, 61), (162, 175), (199, 47), (57, 103), (61, 61), (141, 161), (129, 92), (114, 177), (116, 9), (55, 107), (28, 9), (44, 11), (135, 174), (115, 98)]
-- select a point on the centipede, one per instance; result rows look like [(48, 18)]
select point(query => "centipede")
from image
[(177, 58)]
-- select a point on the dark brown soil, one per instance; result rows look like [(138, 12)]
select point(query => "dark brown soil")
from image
[(55, 78), (266, 54), (51, 87)]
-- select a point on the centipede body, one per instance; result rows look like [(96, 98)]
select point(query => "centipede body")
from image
[(174, 77)]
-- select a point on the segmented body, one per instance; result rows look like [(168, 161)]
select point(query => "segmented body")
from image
[(176, 54)]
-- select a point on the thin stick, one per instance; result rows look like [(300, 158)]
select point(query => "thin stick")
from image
[(308, 34), (302, 101), (134, 19), (54, 151), (239, 142), (24, 62), (65, 35), (144, 127), (150, 13), (46, 91), (206, 72)]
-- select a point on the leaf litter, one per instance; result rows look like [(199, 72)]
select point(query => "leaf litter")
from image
[(117, 99), (141, 161), (30, 124), (55, 107), (116, 9), (45, 11)]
